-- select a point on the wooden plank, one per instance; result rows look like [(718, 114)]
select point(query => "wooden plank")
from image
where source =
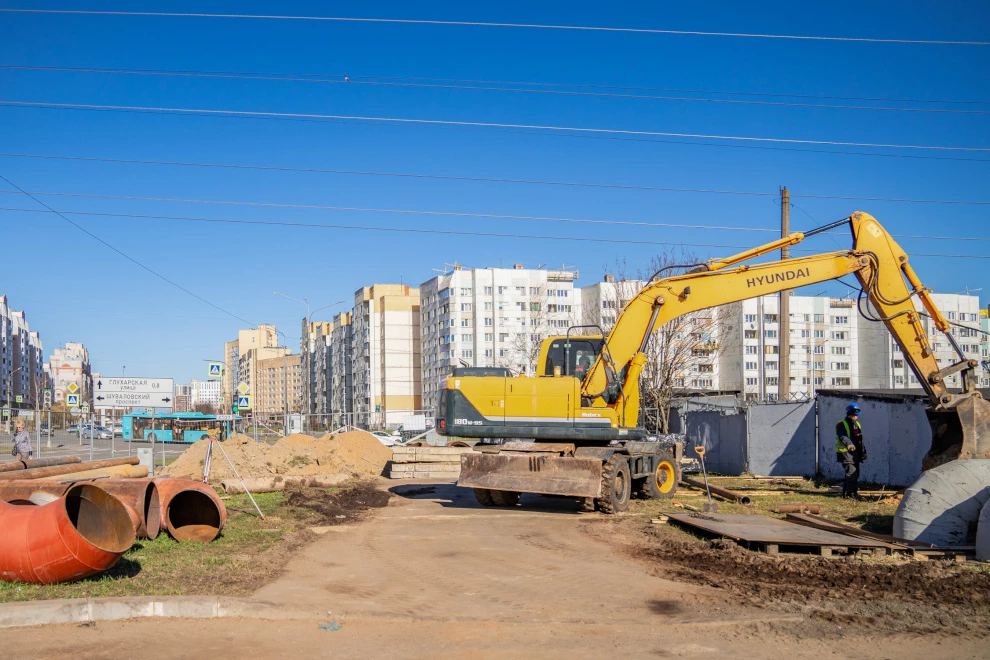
[(443, 476), (770, 531), (816, 522), (453, 468), (425, 458)]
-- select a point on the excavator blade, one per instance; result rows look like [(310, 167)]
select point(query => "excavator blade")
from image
[(548, 475), (961, 432)]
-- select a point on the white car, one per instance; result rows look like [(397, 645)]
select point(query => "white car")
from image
[(389, 439)]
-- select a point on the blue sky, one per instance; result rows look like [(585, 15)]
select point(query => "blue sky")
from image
[(75, 289)]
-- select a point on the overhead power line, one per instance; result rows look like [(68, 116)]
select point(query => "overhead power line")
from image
[(48, 209), (447, 232), (451, 122), (505, 131), (502, 87), (339, 77), (499, 24), (454, 214), (479, 179)]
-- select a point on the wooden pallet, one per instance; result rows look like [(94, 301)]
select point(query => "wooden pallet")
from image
[(918, 550), (773, 535)]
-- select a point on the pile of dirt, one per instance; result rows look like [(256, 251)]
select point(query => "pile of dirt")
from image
[(354, 452)]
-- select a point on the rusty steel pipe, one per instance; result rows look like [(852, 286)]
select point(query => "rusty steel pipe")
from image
[(38, 463), (43, 472), (115, 472), (191, 510), (725, 493), (139, 496), (76, 536)]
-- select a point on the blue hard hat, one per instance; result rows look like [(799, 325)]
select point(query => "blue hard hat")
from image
[(852, 409)]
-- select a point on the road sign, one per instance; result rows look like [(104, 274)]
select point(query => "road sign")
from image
[(244, 402), (26, 413), (74, 412), (6, 412), (72, 400), (73, 388), (227, 418), (243, 388), (215, 369), (129, 392), (84, 408), (18, 399)]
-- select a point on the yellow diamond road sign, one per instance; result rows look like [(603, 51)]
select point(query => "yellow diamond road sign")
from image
[(73, 388), (243, 388)]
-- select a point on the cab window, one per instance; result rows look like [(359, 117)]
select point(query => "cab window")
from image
[(581, 354)]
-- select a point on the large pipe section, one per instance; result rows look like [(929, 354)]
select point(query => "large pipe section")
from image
[(730, 495), (37, 463), (71, 538), (191, 510), (140, 496), (44, 472), (115, 472)]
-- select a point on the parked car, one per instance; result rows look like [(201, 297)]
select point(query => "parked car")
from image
[(46, 430), (97, 432), (118, 430), (388, 438)]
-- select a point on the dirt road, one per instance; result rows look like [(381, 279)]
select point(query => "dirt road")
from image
[(434, 574)]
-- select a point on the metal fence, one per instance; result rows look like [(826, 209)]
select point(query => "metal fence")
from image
[(93, 437), (269, 426)]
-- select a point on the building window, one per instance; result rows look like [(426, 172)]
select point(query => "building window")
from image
[(771, 381), (749, 318), (488, 320), (839, 335), (466, 323), (838, 320), (770, 366), (750, 334), (842, 382), (840, 366), (838, 350), (771, 350), (769, 318), (751, 366), (770, 334), (805, 333), (467, 354), (752, 350)]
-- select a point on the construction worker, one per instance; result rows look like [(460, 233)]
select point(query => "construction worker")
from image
[(850, 450)]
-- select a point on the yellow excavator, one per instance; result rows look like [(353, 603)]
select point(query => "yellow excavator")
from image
[(588, 443)]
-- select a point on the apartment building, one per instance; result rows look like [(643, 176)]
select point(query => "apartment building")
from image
[(22, 369), (70, 365), (385, 362), (277, 386), (491, 317), (183, 398), (241, 358), (315, 347), (968, 319), (205, 393), (340, 356)]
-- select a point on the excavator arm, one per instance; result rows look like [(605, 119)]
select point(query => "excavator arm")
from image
[(888, 283)]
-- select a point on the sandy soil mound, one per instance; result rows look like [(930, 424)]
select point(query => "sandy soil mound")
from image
[(354, 452)]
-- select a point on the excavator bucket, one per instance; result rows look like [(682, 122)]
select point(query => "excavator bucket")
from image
[(548, 475), (961, 432)]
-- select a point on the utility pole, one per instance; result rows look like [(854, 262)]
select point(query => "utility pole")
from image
[(784, 368)]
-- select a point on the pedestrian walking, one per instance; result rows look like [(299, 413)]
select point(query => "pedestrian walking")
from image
[(22, 443), (850, 450)]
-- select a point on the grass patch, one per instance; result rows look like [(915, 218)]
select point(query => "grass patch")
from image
[(249, 553)]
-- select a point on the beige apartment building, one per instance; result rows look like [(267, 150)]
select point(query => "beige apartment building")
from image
[(241, 358), (385, 362), (274, 379)]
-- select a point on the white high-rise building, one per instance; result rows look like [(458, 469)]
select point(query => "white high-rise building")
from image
[(205, 392), (22, 373), (492, 317)]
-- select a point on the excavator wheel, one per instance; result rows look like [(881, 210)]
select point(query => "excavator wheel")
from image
[(616, 485), (484, 496), (505, 497), (663, 483)]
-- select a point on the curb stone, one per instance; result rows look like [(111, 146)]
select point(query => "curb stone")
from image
[(86, 610)]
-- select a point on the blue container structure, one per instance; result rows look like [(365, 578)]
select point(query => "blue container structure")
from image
[(175, 427)]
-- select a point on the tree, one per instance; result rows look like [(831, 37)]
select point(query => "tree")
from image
[(205, 408)]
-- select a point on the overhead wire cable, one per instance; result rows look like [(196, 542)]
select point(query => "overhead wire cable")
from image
[(358, 81), (453, 122), (481, 128), (498, 24), (417, 230), (458, 214), (478, 179), (330, 77), (48, 209)]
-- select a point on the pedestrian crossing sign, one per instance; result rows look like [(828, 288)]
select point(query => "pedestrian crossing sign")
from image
[(215, 369), (72, 400), (244, 402)]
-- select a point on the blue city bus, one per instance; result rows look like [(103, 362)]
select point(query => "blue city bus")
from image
[(174, 427)]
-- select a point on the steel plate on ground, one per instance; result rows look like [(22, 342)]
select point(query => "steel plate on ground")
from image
[(548, 475), (761, 529)]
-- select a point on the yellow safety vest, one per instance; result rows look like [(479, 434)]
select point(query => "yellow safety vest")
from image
[(841, 446)]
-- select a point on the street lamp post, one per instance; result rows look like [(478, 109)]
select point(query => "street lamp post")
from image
[(305, 344)]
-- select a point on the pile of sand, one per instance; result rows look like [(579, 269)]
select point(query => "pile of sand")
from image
[(354, 452)]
